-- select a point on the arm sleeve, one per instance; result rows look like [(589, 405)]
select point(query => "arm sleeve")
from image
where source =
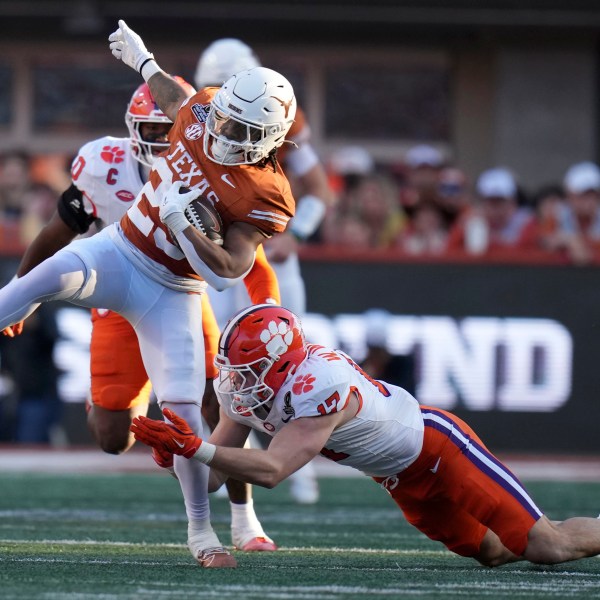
[(261, 281), (72, 210)]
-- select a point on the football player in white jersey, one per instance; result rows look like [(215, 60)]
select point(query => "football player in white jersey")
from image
[(315, 400), (107, 175), (221, 59), (153, 266)]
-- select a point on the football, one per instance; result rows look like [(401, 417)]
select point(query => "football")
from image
[(204, 217)]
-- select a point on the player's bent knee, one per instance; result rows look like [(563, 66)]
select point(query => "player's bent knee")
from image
[(111, 429), (112, 439)]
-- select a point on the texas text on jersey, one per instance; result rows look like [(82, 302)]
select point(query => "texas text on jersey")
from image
[(256, 194)]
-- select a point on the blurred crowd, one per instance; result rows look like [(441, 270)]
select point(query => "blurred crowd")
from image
[(423, 206), (426, 206)]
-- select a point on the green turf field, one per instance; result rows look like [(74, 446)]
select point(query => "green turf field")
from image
[(121, 537)]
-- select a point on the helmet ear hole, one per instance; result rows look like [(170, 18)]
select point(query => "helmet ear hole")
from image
[(283, 367)]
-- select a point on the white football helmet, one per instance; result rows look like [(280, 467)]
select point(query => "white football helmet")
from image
[(221, 60), (249, 117)]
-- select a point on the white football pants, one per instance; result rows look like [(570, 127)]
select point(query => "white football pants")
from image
[(94, 273)]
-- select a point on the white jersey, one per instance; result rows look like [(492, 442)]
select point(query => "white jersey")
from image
[(108, 175), (384, 437)]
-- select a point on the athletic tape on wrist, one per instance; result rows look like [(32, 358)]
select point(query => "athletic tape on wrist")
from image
[(205, 453), (176, 222), (151, 68)]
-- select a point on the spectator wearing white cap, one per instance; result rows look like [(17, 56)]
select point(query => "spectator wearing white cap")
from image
[(582, 185), (421, 168), (350, 167), (496, 221), (576, 230)]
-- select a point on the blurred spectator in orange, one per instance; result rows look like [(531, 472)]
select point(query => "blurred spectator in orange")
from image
[(420, 179), (549, 203), (53, 170), (39, 204), (496, 221), (369, 212), (376, 206), (353, 233), (348, 166), (426, 232)]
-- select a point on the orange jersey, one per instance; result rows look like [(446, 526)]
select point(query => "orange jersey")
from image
[(243, 193)]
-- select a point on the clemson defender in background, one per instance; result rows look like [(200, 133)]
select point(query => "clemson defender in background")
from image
[(107, 175), (217, 63)]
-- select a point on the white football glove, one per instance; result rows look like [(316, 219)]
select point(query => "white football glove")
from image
[(127, 45), (172, 207)]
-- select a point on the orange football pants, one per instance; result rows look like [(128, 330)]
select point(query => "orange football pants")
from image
[(457, 489), (118, 377)]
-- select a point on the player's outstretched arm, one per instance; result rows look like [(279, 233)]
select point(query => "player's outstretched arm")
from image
[(293, 447), (128, 46)]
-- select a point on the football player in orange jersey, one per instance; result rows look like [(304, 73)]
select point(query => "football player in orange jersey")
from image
[(222, 146), (217, 63), (315, 400), (107, 174)]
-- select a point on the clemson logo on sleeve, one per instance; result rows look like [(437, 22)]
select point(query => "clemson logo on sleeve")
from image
[(303, 384)]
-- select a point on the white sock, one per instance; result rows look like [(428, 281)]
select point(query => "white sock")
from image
[(244, 517), (201, 536)]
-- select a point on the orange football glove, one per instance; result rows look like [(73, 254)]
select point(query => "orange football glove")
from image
[(177, 438), (14, 330), (162, 458)]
